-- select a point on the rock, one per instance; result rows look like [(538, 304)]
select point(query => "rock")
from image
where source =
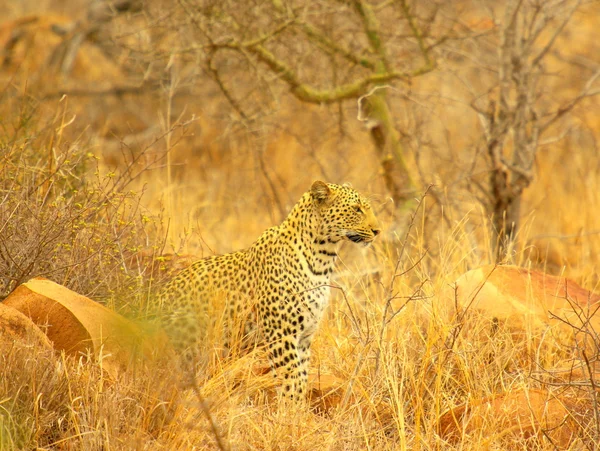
[(499, 419), (525, 298), (76, 324), (326, 391), (15, 326)]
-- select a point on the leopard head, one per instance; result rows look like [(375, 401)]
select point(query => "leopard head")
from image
[(344, 213)]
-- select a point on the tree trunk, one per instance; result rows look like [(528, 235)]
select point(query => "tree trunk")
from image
[(386, 139), (506, 212)]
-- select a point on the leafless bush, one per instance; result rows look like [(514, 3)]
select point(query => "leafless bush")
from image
[(59, 217), (581, 380), (507, 73)]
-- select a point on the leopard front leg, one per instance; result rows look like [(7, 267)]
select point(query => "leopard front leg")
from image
[(289, 367), (288, 354)]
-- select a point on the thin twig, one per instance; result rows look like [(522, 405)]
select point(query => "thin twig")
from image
[(221, 444), (390, 290)]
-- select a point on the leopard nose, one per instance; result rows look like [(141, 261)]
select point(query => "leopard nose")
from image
[(375, 231)]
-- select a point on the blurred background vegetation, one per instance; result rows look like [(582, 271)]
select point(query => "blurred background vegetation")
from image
[(197, 102), (223, 113)]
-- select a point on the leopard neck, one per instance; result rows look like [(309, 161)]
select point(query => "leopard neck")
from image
[(316, 252)]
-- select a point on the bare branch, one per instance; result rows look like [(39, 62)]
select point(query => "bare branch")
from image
[(371, 27), (585, 92), (324, 41), (417, 33), (224, 90), (567, 17), (312, 95)]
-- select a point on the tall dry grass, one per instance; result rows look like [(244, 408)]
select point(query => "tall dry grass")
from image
[(399, 363)]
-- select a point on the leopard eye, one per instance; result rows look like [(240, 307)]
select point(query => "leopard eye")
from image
[(358, 209)]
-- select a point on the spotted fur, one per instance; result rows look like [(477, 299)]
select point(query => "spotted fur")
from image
[(279, 285)]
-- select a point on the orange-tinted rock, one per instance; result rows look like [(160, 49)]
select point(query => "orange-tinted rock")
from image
[(527, 414), (15, 326), (326, 391), (525, 298), (76, 324)]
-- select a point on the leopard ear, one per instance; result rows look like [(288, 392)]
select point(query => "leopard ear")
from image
[(320, 192)]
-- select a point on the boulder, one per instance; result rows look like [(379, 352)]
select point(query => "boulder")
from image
[(16, 327), (526, 298), (533, 415), (77, 325)]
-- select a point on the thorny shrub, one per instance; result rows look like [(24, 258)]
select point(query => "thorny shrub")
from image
[(62, 219)]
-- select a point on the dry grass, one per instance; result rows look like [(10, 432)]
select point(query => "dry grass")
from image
[(399, 367), (399, 362)]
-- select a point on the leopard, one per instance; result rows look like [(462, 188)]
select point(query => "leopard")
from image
[(280, 285)]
